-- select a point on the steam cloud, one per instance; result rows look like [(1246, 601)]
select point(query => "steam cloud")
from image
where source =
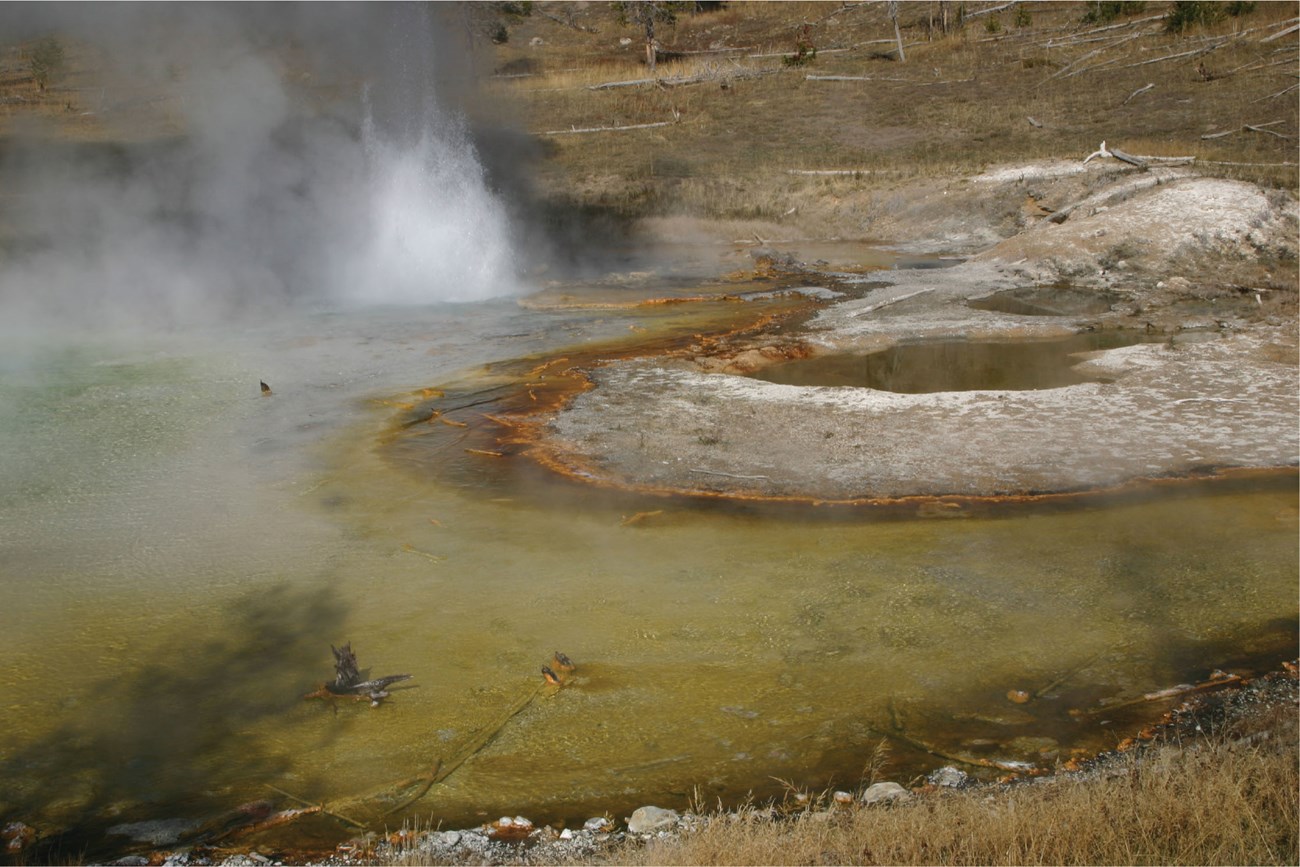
[(317, 159)]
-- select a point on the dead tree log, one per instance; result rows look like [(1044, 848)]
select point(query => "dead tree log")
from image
[(892, 7), (1117, 154), (351, 683)]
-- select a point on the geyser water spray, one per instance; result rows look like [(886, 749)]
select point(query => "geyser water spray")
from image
[(432, 231)]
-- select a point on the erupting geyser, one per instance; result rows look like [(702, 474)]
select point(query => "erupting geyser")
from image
[(433, 231)]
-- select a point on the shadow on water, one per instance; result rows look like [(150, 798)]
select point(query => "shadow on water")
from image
[(169, 739)]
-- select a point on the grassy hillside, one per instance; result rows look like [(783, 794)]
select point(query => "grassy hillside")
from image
[(743, 117), (731, 127)]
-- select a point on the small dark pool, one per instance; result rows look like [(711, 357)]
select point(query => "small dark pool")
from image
[(1047, 301), (956, 365)]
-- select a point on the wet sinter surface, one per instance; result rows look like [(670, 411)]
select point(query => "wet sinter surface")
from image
[(180, 553)]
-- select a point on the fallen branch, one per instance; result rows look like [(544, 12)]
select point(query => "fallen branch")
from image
[(1279, 93), (1111, 198), (1196, 52), (840, 10), (576, 131), (1137, 92), (819, 51), (275, 820), (652, 765), (427, 780), (608, 85), (639, 517), (1172, 692), (1071, 673), (558, 20), (959, 758), (1117, 154), (442, 771), (476, 746), (1256, 165), (1292, 29), (1213, 399), (319, 808), (1076, 39), (1251, 67), (829, 171), (896, 732), (1260, 128), (1094, 67), (1257, 127), (673, 52), (979, 12), (728, 475), (411, 549), (348, 683), (874, 307), (1067, 69)]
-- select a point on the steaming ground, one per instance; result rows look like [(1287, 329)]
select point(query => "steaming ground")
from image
[(1161, 410), (337, 174)]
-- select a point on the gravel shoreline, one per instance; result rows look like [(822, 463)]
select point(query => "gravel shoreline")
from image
[(1241, 716)]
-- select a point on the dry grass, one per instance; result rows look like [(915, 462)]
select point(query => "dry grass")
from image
[(1227, 800), (959, 103)]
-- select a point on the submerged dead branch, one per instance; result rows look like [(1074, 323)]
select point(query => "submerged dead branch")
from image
[(349, 682), (1218, 679), (896, 732), (442, 770), (318, 808), (1088, 663)]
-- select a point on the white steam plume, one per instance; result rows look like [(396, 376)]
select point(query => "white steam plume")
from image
[(269, 193)]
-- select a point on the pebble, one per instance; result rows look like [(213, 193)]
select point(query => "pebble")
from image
[(884, 793), (17, 836), (645, 820), (597, 824)]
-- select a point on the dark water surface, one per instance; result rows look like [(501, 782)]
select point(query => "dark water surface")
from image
[(955, 365)]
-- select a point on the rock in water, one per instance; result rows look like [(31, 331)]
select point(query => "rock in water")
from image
[(949, 777), (645, 820)]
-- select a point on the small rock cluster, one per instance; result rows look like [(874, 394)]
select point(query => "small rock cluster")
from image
[(515, 840), (509, 840)]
